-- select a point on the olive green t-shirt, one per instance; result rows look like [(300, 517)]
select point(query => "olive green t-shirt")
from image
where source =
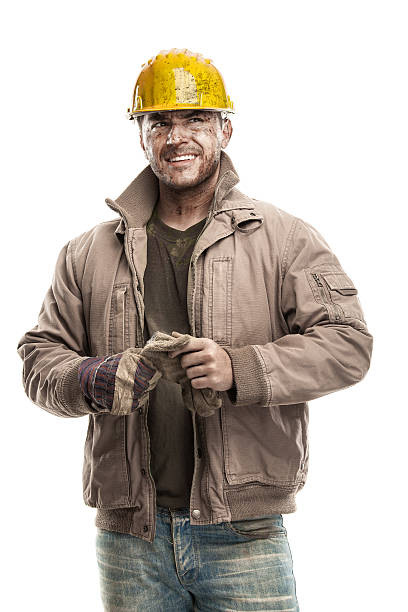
[(165, 296)]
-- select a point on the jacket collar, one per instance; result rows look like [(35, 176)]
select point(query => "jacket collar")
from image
[(135, 205)]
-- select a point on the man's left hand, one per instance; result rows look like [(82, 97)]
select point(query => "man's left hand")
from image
[(207, 365)]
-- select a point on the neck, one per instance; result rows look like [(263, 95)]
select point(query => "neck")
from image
[(181, 208)]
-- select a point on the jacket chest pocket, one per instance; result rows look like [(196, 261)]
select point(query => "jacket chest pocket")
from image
[(220, 300), (122, 320)]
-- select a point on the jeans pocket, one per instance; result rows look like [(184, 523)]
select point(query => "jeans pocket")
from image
[(263, 527)]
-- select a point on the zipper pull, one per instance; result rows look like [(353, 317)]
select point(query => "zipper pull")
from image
[(317, 279)]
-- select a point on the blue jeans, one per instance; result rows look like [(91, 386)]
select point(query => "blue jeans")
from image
[(238, 565)]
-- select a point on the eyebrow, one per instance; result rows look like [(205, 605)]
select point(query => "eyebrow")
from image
[(160, 116), (155, 116), (195, 111)]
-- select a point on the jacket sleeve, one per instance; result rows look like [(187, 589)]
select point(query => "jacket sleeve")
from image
[(328, 346), (53, 350)]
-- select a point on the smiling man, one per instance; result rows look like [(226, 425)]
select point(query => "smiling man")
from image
[(193, 330), (184, 149)]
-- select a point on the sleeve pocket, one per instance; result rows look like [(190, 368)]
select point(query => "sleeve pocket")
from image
[(332, 288), (340, 282)]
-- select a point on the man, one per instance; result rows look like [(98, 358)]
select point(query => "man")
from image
[(197, 438)]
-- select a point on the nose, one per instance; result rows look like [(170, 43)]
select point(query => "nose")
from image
[(176, 135)]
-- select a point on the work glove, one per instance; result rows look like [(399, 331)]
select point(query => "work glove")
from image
[(121, 383), (118, 384), (155, 352)]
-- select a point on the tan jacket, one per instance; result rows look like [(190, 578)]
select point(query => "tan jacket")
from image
[(264, 285)]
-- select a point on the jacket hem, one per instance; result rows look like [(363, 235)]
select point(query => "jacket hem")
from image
[(243, 503), (119, 519), (258, 500)]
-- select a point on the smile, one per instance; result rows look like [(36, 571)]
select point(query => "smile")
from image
[(181, 158)]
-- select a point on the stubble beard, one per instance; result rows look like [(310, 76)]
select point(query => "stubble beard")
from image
[(208, 171)]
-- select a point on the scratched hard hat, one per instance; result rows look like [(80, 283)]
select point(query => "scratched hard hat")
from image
[(179, 79)]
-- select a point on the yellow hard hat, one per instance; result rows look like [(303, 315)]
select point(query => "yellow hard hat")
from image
[(179, 79)]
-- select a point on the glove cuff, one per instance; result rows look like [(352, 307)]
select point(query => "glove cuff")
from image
[(135, 378), (97, 379)]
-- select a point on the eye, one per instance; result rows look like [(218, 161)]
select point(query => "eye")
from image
[(158, 124), (194, 119)]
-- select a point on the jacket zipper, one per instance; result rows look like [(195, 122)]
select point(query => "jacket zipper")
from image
[(320, 285), (127, 462), (326, 297), (193, 277), (123, 304), (123, 296), (139, 342), (324, 292), (196, 433)]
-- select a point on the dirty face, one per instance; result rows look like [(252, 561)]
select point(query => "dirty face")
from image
[(184, 147)]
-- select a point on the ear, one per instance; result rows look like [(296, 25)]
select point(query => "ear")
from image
[(141, 142), (226, 133)]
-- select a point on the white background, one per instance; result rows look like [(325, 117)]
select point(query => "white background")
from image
[(320, 90)]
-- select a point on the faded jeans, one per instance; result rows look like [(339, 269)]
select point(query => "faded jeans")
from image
[(238, 565)]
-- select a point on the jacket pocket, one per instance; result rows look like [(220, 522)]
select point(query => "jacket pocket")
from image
[(265, 445), (119, 330), (220, 300), (332, 288), (105, 475)]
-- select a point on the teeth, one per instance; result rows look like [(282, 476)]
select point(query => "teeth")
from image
[(182, 158)]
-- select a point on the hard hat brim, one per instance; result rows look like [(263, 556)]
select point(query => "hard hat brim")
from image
[(164, 108)]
